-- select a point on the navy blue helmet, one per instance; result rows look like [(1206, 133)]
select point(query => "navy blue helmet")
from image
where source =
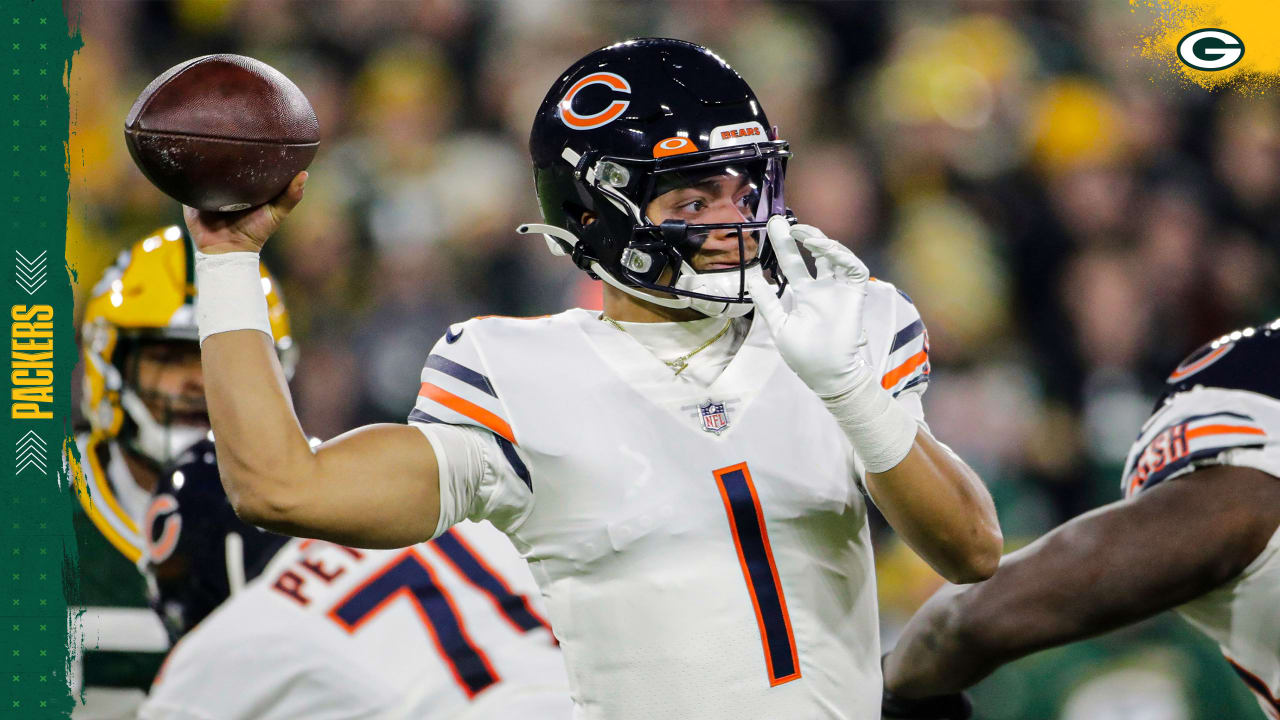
[(1242, 360), (629, 122), (197, 551)]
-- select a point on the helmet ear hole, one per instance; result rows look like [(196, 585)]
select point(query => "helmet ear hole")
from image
[(578, 215)]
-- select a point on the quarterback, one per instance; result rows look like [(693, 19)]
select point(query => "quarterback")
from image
[(683, 475), (1197, 531)]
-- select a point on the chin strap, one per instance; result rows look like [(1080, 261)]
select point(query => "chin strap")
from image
[(557, 238), (677, 302)]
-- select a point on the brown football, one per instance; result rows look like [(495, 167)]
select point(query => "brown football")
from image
[(222, 132)]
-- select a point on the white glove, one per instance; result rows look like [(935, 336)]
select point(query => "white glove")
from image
[(820, 337)]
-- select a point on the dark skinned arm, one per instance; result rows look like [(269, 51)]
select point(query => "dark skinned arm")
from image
[(1110, 567)]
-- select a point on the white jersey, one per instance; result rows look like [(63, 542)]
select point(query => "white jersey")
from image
[(1211, 425), (703, 549), (446, 629)]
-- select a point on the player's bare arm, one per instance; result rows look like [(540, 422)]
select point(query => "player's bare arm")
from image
[(1113, 566), (376, 486), (929, 495), (941, 508)]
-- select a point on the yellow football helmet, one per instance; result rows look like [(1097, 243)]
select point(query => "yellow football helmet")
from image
[(148, 295)]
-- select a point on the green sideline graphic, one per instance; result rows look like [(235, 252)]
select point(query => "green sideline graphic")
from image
[(37, 546)]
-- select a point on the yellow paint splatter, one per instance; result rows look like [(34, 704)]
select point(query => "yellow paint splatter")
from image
[(1255, 22)]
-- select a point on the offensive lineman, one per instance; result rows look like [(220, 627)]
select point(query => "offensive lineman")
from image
[(1197, 531), (144, 400), (446, 629), (682, 477)]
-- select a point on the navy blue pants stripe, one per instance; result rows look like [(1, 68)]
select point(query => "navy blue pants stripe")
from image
[(472, 567), (752, 540), (468, 662)]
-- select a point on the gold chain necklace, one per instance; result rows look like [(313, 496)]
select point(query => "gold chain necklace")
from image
[(679, 364)]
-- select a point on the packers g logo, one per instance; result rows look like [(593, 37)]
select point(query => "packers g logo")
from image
[(576, 121), (1210, 49)]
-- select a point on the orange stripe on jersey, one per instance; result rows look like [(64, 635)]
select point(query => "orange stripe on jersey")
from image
[(1224, 430), (892, 377), (471, 410)]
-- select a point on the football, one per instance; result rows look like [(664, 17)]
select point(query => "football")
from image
[(222, 132)]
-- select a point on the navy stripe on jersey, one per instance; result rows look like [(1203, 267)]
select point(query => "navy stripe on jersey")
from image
[(461, 372), (906, 335), (1242, 416), (508, 450), (412, 577), (752, 540), (418, 416), (517, 464), (917, 380), (471, 566)]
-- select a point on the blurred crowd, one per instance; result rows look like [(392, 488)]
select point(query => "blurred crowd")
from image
[(1069, 220)]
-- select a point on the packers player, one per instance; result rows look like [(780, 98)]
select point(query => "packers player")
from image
[(684, 477), (1196, 532), (143, 397)]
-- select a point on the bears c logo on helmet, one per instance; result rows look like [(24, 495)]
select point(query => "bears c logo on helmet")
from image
[(160, 548), (576, 121)]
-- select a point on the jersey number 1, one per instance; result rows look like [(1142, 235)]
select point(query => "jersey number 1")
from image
[(751, 538)]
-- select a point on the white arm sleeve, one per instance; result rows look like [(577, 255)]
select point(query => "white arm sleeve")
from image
[(476, 480)]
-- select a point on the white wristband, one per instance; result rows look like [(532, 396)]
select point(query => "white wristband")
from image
[(881, 430), (229, 294)]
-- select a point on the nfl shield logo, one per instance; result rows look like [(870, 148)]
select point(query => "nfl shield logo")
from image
[(714, 419)]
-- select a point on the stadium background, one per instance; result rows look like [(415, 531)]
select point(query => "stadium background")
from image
[(1069, 221)]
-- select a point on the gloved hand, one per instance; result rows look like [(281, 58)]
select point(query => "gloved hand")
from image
[(820, 336), (938, 707)]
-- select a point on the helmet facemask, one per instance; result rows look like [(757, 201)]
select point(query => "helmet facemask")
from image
[(159, 423), (655, 261)]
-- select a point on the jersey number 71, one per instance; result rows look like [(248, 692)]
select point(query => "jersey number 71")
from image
[(411, 577)]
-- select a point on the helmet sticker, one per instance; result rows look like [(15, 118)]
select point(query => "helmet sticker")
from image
[(737, 134), (674, 146), (599, 119)]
